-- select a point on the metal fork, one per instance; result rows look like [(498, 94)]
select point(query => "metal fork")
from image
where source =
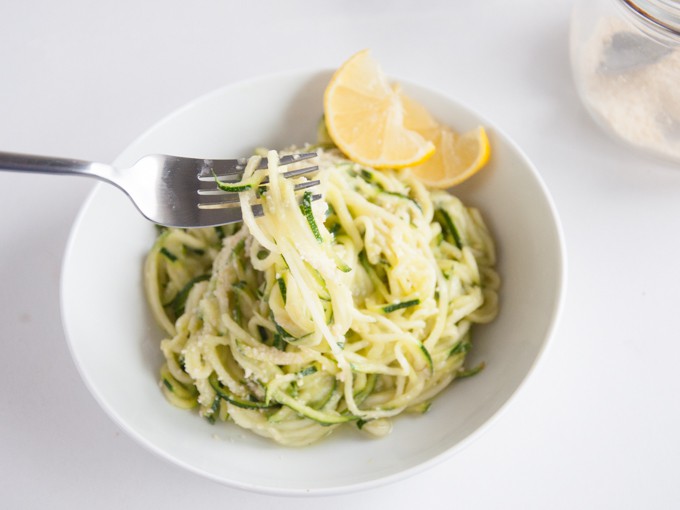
[(171, 191)]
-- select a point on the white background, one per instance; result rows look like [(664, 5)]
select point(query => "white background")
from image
[(598, 425)]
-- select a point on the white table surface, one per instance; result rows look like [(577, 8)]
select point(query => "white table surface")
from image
[(598, 424)]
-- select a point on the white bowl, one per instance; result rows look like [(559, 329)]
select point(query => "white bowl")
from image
[(115, 342)]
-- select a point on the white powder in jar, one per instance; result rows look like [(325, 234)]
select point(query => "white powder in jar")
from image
[(641, 105)]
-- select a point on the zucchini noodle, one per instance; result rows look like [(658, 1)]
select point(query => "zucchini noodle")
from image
[(347, 310)]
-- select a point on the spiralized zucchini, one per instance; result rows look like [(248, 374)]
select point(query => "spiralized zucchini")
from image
[(350, 309)]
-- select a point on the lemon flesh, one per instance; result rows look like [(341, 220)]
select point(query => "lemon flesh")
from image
[(365, 117), (456, 158)]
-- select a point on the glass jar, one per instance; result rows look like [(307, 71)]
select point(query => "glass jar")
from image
[(625, 57)]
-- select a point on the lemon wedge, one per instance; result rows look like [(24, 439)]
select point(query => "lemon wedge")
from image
[(456, 158), (365, 117), (416, 117)]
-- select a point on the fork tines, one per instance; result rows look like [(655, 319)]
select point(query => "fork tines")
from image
[(212, 197), (218, 199), (230, 170)]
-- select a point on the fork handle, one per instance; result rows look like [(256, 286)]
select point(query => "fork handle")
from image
[(50, 165)]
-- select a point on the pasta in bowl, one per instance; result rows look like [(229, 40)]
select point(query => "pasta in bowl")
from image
[(114, 339), (353, 309)]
